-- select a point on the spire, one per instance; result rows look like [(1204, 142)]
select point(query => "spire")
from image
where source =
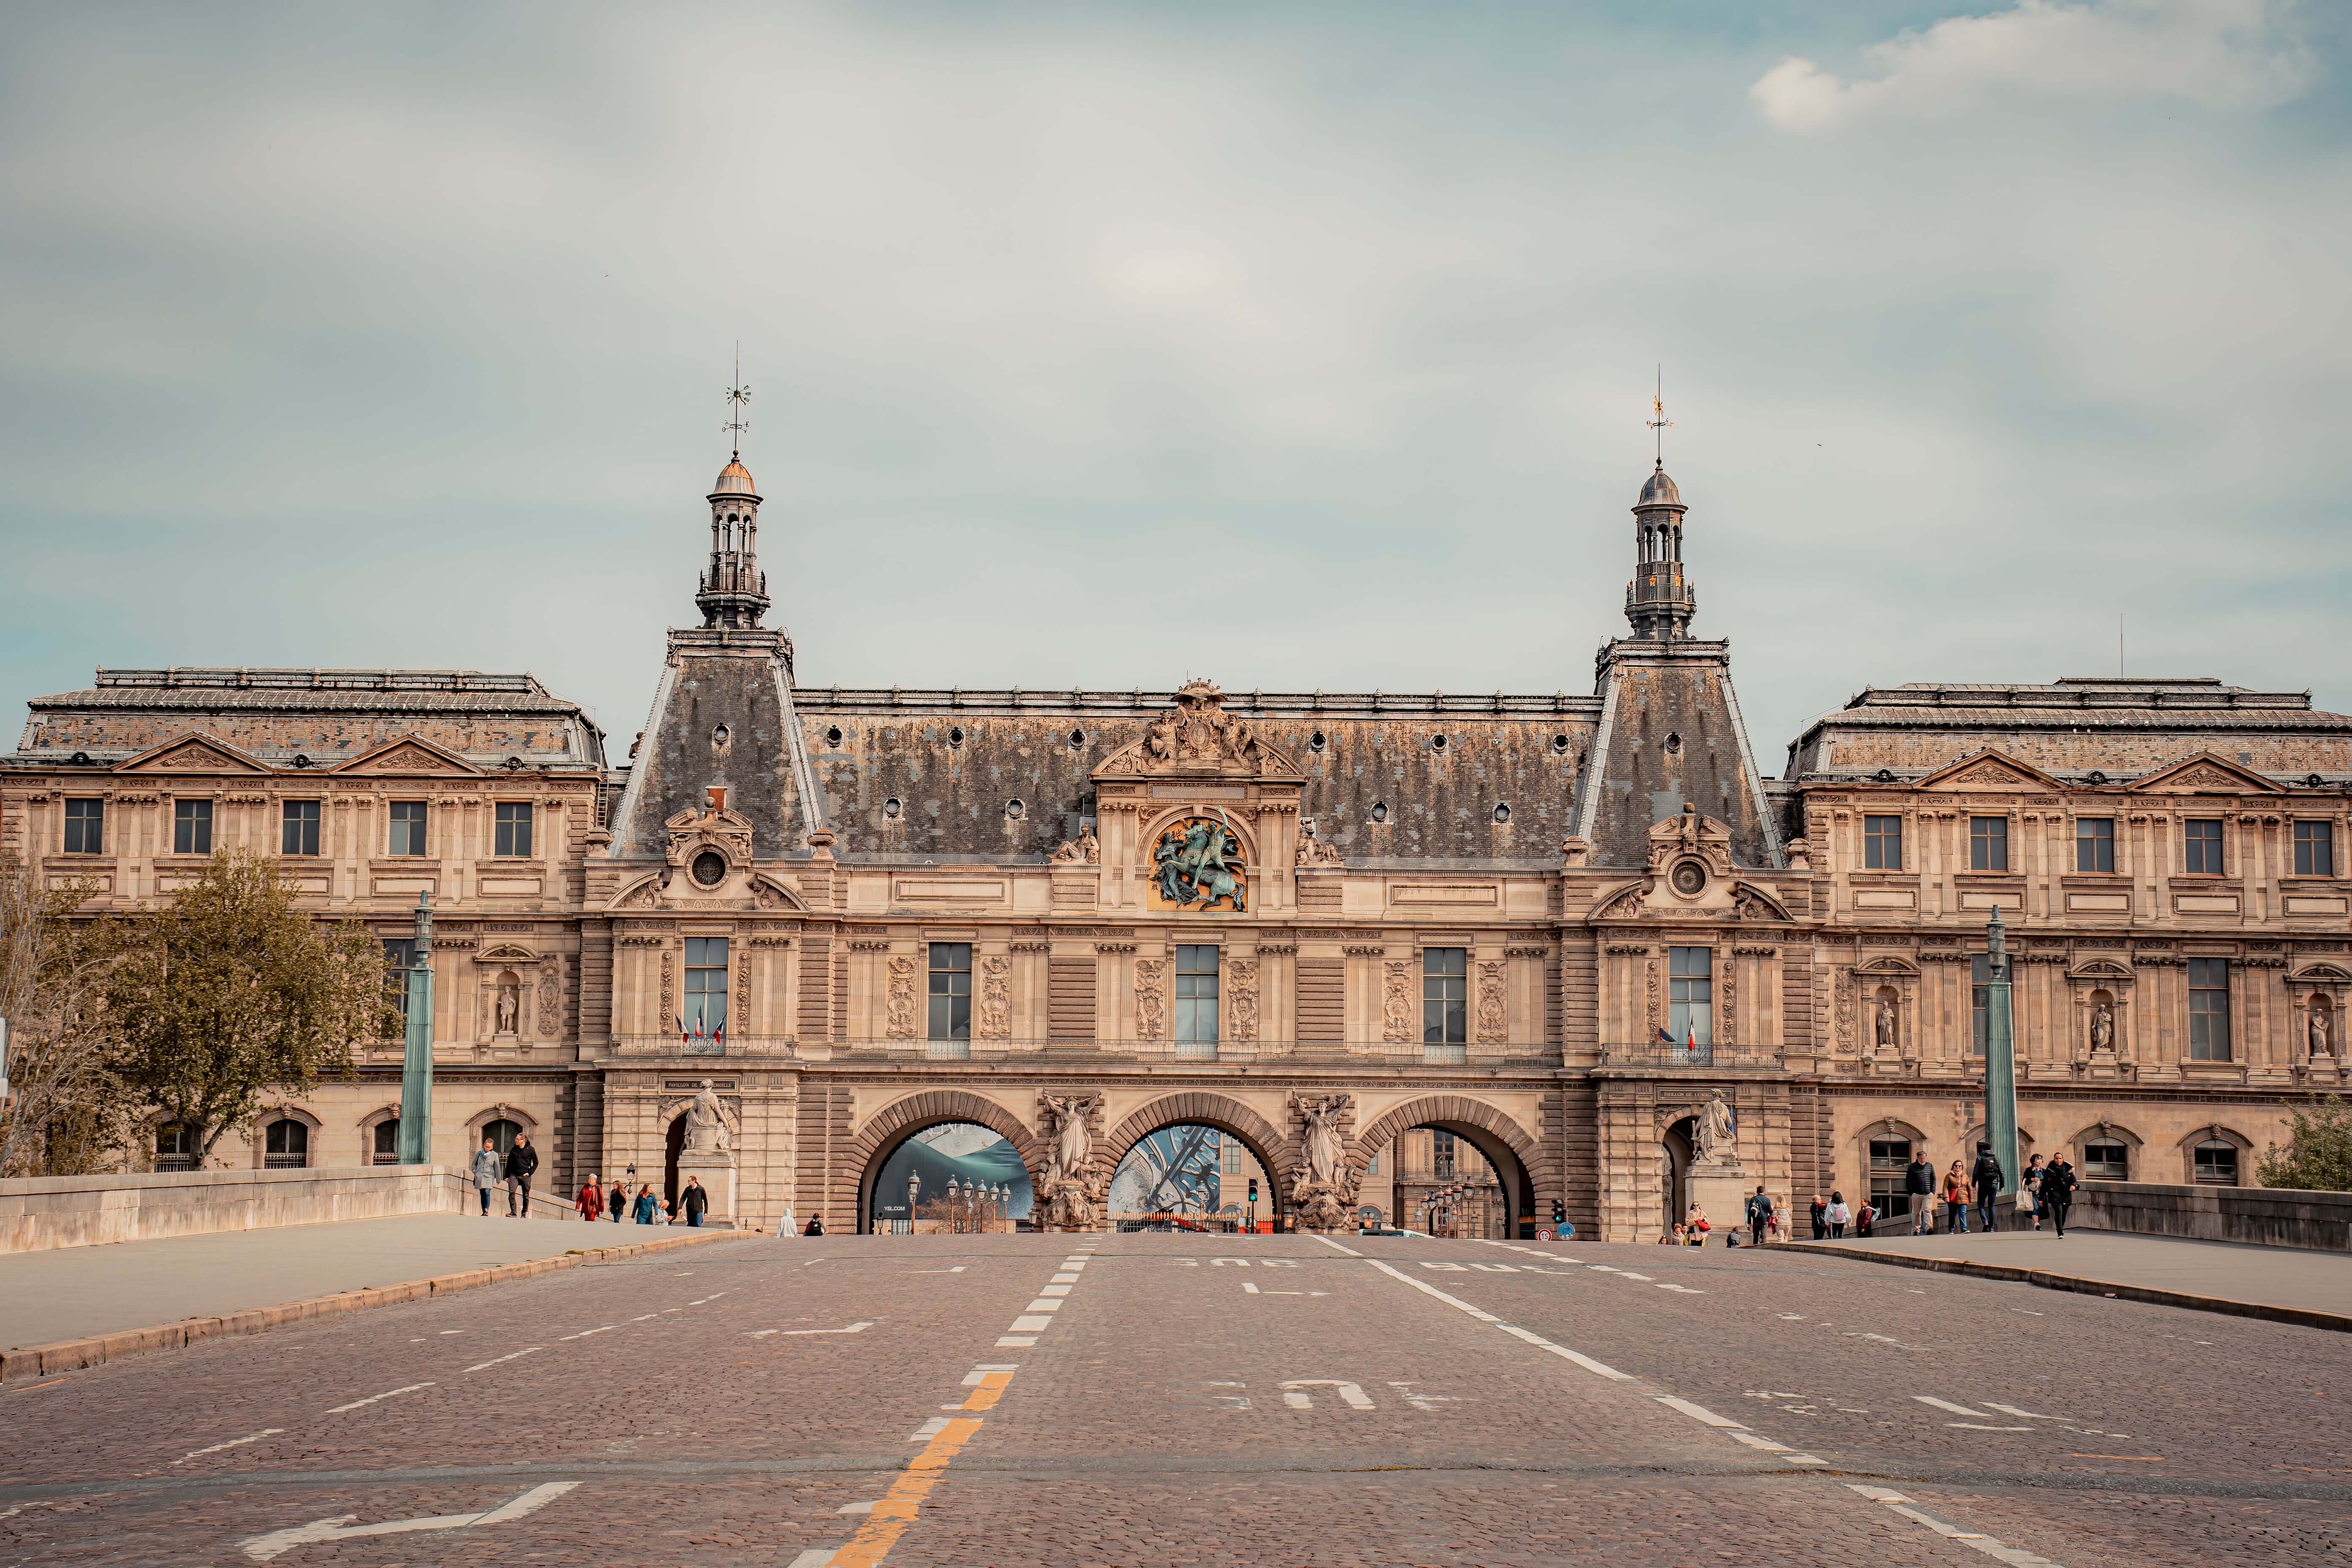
[(734, 592), (1658, 600)]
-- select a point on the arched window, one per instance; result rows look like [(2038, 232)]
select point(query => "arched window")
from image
[(385, 1149), (2106, 1159), (2214, 1162), (175, 1147), (285, 1145), (501, 1133)]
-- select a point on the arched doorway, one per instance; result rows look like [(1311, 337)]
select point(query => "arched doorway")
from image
[(673, 1146), (1191, 1176), (1449, 1179), (948, 1176), (1675, 1151)]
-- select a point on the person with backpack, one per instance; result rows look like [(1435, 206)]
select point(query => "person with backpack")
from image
[(1988, 1179), (1838, 1216), (1919, 1181), (1759, 1215), (2057, 1193)]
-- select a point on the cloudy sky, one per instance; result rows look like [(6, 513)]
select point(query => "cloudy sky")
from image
[(1298, 346)]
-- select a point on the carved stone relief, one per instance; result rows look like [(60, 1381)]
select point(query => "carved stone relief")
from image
[(1726, 1014), (549, 1021), (1396, 1003), (1242, 976), (1494, 1005), (1657, 1012), (669, 988), (899, 1004), (743, 993), (1152, 998), (1841, 994), (994, 1021)]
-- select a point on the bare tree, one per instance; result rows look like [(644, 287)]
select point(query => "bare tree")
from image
[(66, 1113)]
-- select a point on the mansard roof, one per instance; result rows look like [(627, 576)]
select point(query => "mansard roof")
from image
[(2117, 729)]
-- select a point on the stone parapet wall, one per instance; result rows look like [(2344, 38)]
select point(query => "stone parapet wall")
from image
[(43, 1212), (2265, 1217)]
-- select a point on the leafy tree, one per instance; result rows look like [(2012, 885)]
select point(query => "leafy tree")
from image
[(231, 991), (66, 1113), (2318, 1155)]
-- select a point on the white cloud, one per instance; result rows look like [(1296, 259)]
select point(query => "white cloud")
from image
[(2223, 54)]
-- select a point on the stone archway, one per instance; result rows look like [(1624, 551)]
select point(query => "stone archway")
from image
[(902, 1119), (1490, 1129), (1277, 1153)]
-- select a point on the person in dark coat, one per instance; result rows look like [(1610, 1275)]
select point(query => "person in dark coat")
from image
[(523, 1163), (1759, 1215), (815, 1225), (693, 1201), (1920, 1181), (2057, 1192), (1986, 1177), (616, 1202), (1821, 1217)]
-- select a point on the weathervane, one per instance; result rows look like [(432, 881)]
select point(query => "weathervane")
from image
[(1658, 422), (737, 398)]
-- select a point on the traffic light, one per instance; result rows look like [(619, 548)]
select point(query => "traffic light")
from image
[(1253, 1197), (1559, 1212)]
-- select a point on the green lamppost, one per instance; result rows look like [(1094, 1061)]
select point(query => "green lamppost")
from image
[(416, 1066), (2000, 1056)]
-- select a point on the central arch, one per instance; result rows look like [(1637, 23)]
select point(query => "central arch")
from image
[(1276, 1154), (901, 1119), (1517, 1158)]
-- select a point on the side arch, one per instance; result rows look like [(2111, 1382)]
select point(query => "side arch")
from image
[(1487, 1127), (1276, 1150), (902, 1119)]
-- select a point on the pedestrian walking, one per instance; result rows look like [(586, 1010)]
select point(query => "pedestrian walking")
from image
[(591, 1203), (1955, 1201), (1821, 1217), (643, 1210), (1839, 1216), (1865, 1219), (616, 1202), (694, 1202), (523, 1163), (1988, 1179), (1759, 1216), (2058, 1186), (489, 1168), (1919, 1181), (2029, 1190)]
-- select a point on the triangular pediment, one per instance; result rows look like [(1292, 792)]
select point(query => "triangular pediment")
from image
[(1989, 769), (2205, 774), (410, 756), (193, 754)]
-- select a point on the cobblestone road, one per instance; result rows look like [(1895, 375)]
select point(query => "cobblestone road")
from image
[(950, 1402)]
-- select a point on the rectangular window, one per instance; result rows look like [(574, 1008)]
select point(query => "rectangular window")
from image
[(299, 835), (951, 991), (1442, 1161), (2200, 847), (192, 827), (1690, 994), (399, 956), (2208, 1009), (513, 828), (84, 826), (385, 1144), (176, 1148), (1988, 843), (2215, 1163), (1445, 996), (1196, 995), (1882, 843), (2315, 849), (706, 986), (2094, 843), (2106, 1159), (407, 828), (1229, 1155), (1890, 1158)]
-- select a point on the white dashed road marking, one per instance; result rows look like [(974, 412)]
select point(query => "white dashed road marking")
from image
[(1900, 1504), (494, 1361), (372, 1398), (232, 1443), (1948, 1404)]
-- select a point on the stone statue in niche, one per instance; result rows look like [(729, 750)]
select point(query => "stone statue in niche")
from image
[(1322, 1189), (2320, 1044), (2103, 1028), (1885, 1028), (508, 1011), (1069, 1203)]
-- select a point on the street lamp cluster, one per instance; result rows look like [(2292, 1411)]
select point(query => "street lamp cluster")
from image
[(968, 1207)]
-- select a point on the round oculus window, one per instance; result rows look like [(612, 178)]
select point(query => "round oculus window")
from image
[(1689, 878), (711, 868)]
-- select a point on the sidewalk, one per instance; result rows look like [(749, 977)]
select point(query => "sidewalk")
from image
[(80, 1292), (2219, 1271)]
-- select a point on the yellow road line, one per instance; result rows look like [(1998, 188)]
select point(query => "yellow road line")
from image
[(895, 1514)]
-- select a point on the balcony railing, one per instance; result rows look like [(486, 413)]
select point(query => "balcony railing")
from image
[(1701, 1055), (1518, 1053)]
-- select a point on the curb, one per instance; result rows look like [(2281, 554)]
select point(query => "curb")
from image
[(69, 1355), (2300, 1317)]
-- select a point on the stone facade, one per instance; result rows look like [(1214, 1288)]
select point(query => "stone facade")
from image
[(1484, 915)]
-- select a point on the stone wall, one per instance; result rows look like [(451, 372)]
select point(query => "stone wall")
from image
[(43, 1212), (2265, 1217)]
